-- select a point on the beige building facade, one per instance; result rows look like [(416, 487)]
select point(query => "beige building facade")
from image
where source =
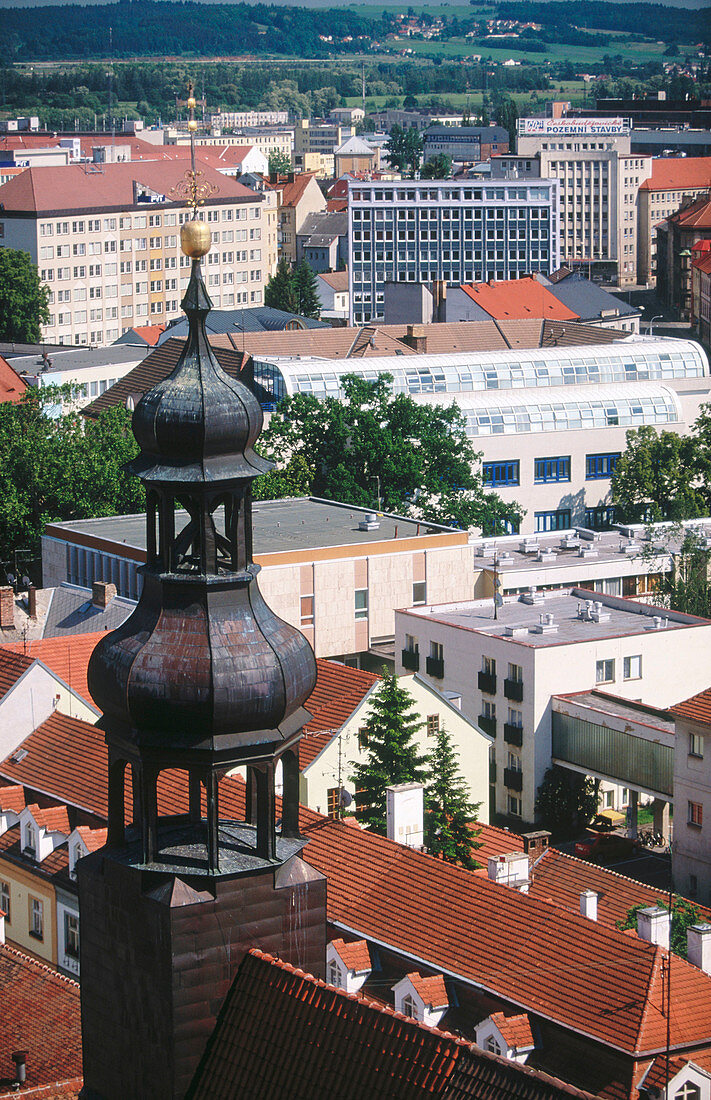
[(673, 182), (107, 244)]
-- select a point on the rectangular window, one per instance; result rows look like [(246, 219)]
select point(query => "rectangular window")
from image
[(552, 521), (5, 899), (551, 469), (696, 745), (600, 519), (696, 814), (501, 473), (361, 603), (515, 673), (71, 935), (333, 797), (488, 709), (419, 592), (632, 668), (432, 725), (36, 918), (605, 672), (307, 610), (488, 665), (362, 738), (514, 805), (601, 466), (437, 651), (515, 718)]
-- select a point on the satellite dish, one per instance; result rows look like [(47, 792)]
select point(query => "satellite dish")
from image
[(11, 578), (26, 582), (346, 798)]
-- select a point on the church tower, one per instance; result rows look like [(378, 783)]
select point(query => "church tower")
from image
[(201, 679)]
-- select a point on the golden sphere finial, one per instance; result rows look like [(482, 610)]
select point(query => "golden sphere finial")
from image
[(195, 238), (191, 103), (192, 125)]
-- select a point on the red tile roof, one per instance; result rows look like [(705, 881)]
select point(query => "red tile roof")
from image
[(293, 192), (516, 1030), (12, 387), (703, 263), (70, 187), (333, 1044), (12, 798), (354, 954), (339, 690), (54, 819), (676, 173), (40, 1015), (67, 658), (12, 667), (695, 216), (93, 838), (432, 990), (149, 333), (518, 299), (697, 708), (495, 842)]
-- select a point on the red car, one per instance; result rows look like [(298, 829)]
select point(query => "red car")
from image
[(605, 847)]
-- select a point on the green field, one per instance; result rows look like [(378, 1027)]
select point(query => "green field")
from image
[(461, 48)]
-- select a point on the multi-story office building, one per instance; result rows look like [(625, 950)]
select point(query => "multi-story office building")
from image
[(233, 119), (674, 182), (599, 185), (320, 136), (107, 243), (465, 143), (420, 230)]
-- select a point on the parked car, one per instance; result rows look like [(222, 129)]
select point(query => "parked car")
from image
[(605, 847)]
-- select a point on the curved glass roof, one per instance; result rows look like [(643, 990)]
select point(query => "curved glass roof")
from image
[(627, 361), (559, 410)]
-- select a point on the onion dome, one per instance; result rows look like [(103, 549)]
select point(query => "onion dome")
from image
[(198, 424)]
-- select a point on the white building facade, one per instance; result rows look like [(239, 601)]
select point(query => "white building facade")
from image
[(420, 230)]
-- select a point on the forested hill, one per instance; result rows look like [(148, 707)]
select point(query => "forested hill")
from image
[(652, 20), (149, 29)]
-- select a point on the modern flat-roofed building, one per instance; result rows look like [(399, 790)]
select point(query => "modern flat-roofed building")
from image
[(106, 240), (460, 232), (507, 670), (468, 144), (325, 569), (599, 184), (551, 425)]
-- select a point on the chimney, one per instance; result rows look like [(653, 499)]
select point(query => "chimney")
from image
[(102, 593), (415, 338), (510, 869), (19, 1057), (535, 844), (654, 925), (698, 946), (588, 904), (32, 601), (439, 293), (7, 608), (405, 814)]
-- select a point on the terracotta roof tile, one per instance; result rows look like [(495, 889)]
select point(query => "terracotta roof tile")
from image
[(12, 666), (66, 657), (12, 798), (512, 299), (41, 1015), (331, 1043), (516, 1030), (339, 690), (432, 990), (697, 215), (12, 387), (354, 954), (676, 173), (93, 838), (495, 842), (54, 819), (697, 708), (55, 866)]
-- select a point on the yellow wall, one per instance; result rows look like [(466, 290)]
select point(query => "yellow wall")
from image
[(23, 887)]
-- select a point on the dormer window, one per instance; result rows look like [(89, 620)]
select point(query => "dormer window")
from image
[(334, 974), (409, 1008), (29, 848), (492, 1046), (76, 854)]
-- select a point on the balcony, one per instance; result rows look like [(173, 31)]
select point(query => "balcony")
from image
[(411, 660), (513, 735), (513, 779), (435, 667), (487, 724), (513, 690), (487, 682)]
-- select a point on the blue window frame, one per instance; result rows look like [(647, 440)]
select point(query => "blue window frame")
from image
[(501, 473), (551, 469), (502, 526), (552, 521), (600, 519), (599, 466)]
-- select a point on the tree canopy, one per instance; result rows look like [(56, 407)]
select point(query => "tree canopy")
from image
[(392, 756), (438, 167), (403, 149), (450, 816), (656, 477), (416, 459), (279, 162), (684, 914), (293, 289), (24, 300), (566, 802)]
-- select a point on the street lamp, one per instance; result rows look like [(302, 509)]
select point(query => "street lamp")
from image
[(658, 317)]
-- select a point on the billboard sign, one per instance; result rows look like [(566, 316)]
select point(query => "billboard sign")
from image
[(573, 127)]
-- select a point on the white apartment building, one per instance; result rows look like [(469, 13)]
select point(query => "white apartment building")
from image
[(233, 119), (421, 230), (599, 184), (550, 423), (691, 853), (106, 240), (507, 669)]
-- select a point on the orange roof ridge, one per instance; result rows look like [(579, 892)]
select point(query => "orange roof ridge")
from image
[(44, 967), (55, 819), (93, 838), (12, 797), (354, 954), (515, 1029), (432, 989)]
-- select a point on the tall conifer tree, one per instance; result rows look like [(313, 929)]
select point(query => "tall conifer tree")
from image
[(450, 817)]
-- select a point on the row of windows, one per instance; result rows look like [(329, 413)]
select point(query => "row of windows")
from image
[(631, 669), (549, 469), (571, 416)]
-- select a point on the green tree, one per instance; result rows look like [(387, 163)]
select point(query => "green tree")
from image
[(24, 300), (403, 149), (566, 802), (507, 116), (280, 292), (450, 817), (291, 480), (684, 915), (391, 755), (654, 479), (279, 163), (437, 168), (416, 458), (306, 289)]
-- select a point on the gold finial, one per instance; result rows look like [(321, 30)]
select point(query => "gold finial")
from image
[(195, 236)]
